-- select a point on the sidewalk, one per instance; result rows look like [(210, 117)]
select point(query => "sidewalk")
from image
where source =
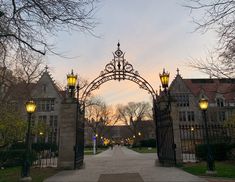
[(123, 165)]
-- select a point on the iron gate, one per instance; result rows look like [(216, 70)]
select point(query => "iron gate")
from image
[(119, 69), (165, 137), (79, 146)]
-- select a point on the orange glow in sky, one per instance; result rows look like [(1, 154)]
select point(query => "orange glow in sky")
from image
[(153, 34)]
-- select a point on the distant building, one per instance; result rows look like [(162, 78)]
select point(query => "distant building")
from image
[(121, 132)]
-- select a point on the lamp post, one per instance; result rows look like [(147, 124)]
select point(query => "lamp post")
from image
[(164, 77), (71, 83), (25, 172), (203, 104), (164, 111)]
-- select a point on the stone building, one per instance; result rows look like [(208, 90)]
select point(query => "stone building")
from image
[(185, 96), (187, 93), (48, 97)]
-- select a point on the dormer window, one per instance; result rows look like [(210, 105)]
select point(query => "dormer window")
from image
[(220, 102)]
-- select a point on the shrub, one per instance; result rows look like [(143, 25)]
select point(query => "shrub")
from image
[(9, 158), (219, 151), (231, 152), (148, 143)]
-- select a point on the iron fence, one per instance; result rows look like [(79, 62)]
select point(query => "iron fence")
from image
[(192, 135), (46, 158)]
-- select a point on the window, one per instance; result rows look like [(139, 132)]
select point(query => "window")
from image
[(182, 116), (182, 100), (190, 115), (45, 105), (220, 102), (186, 116), (221, 115), (53, 121), (42, 119)]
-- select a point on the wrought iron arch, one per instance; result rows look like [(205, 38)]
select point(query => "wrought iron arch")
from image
[(118, 69)]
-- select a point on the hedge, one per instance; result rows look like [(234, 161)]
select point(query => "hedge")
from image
[(148, 143), (38, 147), (15, 154), (220, 151)]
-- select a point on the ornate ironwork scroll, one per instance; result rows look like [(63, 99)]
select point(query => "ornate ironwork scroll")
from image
[(118, 69)]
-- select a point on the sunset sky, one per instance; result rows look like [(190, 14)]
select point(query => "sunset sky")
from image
[(153, 34)]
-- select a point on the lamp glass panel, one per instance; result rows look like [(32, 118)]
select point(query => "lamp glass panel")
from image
[(203, 104), (71, 80), (30, 106)]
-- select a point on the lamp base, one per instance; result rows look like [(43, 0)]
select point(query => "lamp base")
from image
[(28, 178)]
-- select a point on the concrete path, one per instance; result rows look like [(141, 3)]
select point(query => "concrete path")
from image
[(121, 163)]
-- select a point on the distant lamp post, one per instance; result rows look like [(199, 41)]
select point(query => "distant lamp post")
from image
[(25, 172), (41, 136), (164, 77), (139, 134), (203, 104), (133, 136), (192, 129)]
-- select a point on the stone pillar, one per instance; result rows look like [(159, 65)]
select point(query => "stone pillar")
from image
[(67, 134), (176, 131)]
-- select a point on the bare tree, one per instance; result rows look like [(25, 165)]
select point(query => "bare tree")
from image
[(134, 113), (99, 116), (29, 23), (219, 16)]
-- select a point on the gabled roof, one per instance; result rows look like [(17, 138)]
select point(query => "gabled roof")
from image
[(49, 78), (212, 87)]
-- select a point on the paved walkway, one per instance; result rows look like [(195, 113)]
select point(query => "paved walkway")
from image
[(123, 165)]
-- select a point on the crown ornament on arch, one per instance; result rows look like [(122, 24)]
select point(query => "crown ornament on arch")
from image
[(118, 66)]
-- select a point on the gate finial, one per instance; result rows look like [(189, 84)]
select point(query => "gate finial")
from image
[(118, 45)]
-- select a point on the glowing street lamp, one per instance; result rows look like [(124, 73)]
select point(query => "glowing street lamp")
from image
[(25, 172), (203, 104), (30, 106), (164, 77), (71, 82)]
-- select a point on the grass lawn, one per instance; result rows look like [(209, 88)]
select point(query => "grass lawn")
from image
[(12, 174), (89, 151), (145, 150), (224, 169)]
